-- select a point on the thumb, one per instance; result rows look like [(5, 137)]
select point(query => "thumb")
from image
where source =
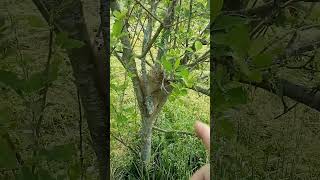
[(202, 174), (203, 132)]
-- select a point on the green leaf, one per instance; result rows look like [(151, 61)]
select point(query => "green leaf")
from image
[(262, 60), (221, 38), (26, 174), (228, 22), (215, 7), (183, 72), (55, 67), (255, 76), (122, 118), (198, 45), (315, 13), (7, 156), (59, 153), (187, 83), (4, 117), (65, 42), (8, 78), (239, 40), (11, 80), (189, 49), (117, 28), (257, 45), (227, 98), (167, 64), (34, 83), (244, 69), (62, 176), (277, 49), (74, 172), (119, 15), (281, 19), (236, 96), (177, 63), (36, 21), (183, 92), (2, 21), (44, 174)]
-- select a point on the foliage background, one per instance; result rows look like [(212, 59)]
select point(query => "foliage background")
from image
[(261, 133), (24, 39)]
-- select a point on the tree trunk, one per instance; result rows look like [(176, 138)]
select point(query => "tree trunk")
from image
[(89, 76), (147, 124), (146, 138)]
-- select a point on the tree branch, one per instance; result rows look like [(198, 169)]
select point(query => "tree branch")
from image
[(154, 38), (149, 13), (266, 8), (129, 61), (172, 131), (201, 90), (202, 58), (125, 144), (299, 93)]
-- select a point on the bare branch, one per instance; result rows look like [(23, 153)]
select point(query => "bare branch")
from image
[(299, 93), (149, 13), (287, 110), (201, 90), (172, 131), (147, 35), (167, 23), (129, 61), (155, 36), (125, 144), (189, 22), (201, 59)]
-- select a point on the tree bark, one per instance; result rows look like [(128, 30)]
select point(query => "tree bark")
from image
[(90, 79), (147, 125), (146, 138), (307, 96)]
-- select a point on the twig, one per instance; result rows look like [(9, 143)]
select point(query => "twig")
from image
[(200, 59), (288, 109), (176, 28), (172, 131), (254, 3), (18, 47), (46, 74), (80, 135), (148, 47), (150, 14), (201, 90), (304, 66), (287, 3), (167, 23), (189, 22), (125, 144), (45, 93), (163, 84)]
